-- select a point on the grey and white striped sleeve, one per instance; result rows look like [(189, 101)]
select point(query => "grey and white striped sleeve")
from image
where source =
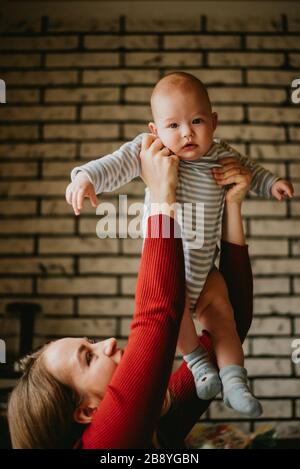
[(112, 171), (262, 179)]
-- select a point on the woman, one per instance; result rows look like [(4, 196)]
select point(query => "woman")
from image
[(101, 397)]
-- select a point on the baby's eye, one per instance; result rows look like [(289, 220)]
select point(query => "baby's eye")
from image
[(173, 125), (197, 120)]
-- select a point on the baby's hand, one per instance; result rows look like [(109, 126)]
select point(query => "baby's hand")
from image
[(282, 188), (80, 188)]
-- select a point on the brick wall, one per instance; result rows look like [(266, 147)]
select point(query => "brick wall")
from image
[(77, 87)]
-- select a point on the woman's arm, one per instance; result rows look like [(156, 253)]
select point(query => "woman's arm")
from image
[(130, 409), (236, 268)]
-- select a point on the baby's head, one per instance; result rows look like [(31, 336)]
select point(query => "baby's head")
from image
[(182, 114)]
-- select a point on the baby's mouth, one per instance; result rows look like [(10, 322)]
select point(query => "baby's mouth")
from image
[(190, 146)]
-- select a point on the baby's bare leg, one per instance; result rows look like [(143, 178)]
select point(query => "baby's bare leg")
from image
[(216, 315), (219, 320), (187, 339)]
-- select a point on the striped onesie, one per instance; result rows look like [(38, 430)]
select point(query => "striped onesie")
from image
[(195, 185)]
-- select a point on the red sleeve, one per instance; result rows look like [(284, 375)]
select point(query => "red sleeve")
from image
[(129, 412), (186, 406)]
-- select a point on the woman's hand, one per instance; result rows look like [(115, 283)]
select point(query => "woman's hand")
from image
[(159, 170), (233, 172)]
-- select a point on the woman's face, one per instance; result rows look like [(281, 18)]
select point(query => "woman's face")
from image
[(84, 366)]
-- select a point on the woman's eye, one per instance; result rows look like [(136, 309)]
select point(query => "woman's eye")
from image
[(89, 357)]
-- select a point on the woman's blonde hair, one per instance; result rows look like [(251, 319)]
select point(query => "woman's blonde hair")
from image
[(40, 408)]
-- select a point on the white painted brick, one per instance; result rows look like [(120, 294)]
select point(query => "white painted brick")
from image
[(270, 326), (116, 112), (265, 286), (38, 225), (270, 77), (125, 327), (295, 209), (280, 266), (37, 265), (268, 247), (18, 207), (39, 113), (245, 59), (163, 59), (43, 77), (50, 306), (246, 95), (272, 347), (277, 305), (35, 187), (238, 23), (38, 150), (276, 387), (128, 285), (77, 245), (261, 207), (161, 23), (127, 42), (37, 43), (275, 228), (80, 95), (16, 245), (297, 285), (12, 170), (83, 59), (298, 408), (271, 409), (111, 265), (120, 77), (106, 306), (80, 131), (76, 327), (15, 286), (132, 246), (201, 42), (279, 151), (248, 132), (19, 132), (294, 133), (78, 286), (275, 114), (272, 42), (79, 22), (268, 366), (229, 113)]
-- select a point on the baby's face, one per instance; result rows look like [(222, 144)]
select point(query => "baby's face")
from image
[(185, 124)]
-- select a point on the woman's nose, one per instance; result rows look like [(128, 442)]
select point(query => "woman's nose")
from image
[(109, 346)]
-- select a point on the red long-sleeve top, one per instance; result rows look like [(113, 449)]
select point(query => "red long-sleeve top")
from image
[(130, 410)]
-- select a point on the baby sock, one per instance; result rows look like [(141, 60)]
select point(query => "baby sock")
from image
[(236, 392), (206, 377)]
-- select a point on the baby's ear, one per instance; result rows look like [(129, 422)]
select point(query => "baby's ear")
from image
[(214, 120), (152, 128)]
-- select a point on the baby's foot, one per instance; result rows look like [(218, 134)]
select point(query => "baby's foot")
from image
[(206, 377), (236, 392)]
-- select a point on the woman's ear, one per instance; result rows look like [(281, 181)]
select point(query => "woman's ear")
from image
[(152, 128), (84, 414)]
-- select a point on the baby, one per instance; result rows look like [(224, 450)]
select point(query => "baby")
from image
[(184, 122)]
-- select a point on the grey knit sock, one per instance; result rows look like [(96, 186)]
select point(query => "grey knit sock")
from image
[(206, 377), (236, 392)]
